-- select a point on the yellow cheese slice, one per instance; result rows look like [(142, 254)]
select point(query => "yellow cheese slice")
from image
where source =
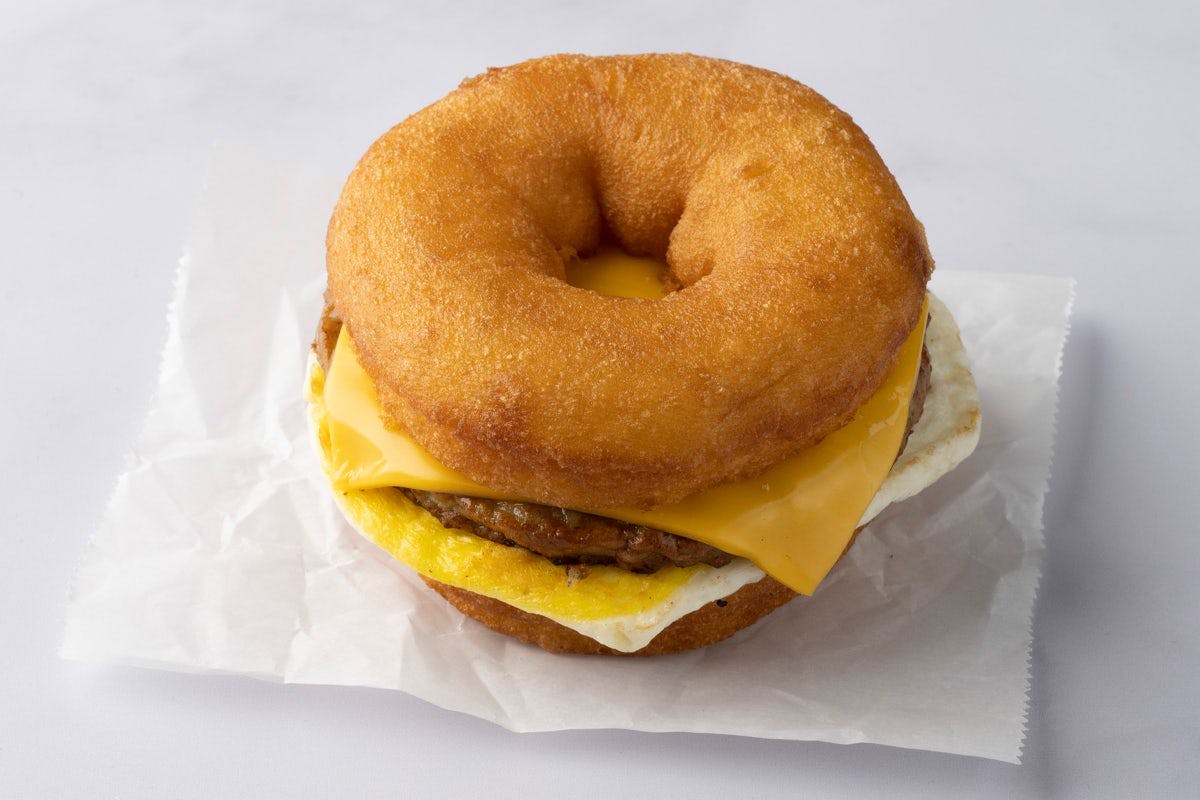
[(794, 520)]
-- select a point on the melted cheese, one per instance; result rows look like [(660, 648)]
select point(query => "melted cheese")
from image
[(794, 520)]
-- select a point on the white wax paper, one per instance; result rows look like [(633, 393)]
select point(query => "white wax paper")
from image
[(221, 550)]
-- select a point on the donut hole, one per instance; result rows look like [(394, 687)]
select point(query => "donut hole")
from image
[(612, 268), (612, 271)]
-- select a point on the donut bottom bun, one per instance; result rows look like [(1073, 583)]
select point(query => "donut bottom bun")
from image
[(696, 609), (707, 625)]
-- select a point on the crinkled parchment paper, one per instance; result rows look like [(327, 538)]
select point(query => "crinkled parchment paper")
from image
[(221, 551)]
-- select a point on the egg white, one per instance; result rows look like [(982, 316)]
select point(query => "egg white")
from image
[(946, 433)]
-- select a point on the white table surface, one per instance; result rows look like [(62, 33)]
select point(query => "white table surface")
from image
[(1031, 140)]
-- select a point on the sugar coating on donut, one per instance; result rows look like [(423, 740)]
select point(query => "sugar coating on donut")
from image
[(800, 267)]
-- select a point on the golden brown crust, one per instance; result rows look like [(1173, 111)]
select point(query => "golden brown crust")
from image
[(802, 269), (706, 625)]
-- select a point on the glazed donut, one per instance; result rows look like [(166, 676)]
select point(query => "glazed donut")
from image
[(798, 270)]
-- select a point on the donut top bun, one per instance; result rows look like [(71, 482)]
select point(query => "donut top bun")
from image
[(798, 269)]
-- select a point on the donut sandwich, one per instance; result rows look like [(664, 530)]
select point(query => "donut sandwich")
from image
[(620, 353)]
